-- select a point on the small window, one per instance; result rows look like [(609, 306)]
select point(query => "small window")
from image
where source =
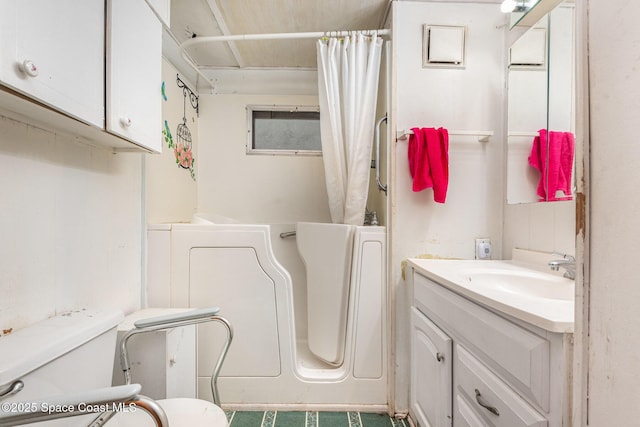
[(283, 130)]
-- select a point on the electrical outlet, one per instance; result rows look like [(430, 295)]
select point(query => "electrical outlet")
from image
[(483, 248)]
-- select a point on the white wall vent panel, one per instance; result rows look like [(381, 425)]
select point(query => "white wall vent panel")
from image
[(443, 46)]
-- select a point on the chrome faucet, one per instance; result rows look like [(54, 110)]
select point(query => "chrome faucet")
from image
[(568, 262), (370, 217)]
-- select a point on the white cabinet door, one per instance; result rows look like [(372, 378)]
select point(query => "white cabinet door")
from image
[(134, 73), (431, 375), (53, 51)]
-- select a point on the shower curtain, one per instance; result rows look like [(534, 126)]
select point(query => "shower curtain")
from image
[(348, 70)]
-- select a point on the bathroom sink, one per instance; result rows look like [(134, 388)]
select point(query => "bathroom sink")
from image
[(543, 299), (523, 282)]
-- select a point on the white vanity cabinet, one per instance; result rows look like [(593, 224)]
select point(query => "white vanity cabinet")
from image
[(53, 52), (474, 366), (86, 68)]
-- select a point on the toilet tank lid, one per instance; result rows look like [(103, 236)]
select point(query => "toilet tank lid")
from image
[(27, 349)]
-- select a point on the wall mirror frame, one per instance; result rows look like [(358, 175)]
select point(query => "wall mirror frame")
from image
[(522, 21), (541, 94)]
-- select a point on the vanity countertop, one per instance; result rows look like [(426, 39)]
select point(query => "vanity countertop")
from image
[(539, 298)]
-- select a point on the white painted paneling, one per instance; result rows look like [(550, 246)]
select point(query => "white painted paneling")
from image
[(458, 99), (545, 226), (70, 226), (158, 286), (170, 189), (614, 336), (254, 188)]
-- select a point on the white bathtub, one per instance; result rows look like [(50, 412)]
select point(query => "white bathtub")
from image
[(259, 281)]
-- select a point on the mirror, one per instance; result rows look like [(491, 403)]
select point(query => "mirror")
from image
[(541, 97), (518, 9), (525, 14)]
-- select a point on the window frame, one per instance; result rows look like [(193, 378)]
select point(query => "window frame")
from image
[(270, 108)]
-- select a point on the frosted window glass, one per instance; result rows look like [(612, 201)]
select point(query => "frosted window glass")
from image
[(285, 130)]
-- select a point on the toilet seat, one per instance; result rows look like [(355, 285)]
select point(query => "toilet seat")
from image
[(181, 412)]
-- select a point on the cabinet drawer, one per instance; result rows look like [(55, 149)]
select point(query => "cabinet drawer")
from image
[(516, 354), (488, 396), (466, 416)]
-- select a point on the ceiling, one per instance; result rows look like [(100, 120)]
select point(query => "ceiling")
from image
[(282, 66), (234, 17)]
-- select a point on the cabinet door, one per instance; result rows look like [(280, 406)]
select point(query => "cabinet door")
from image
[(431, 375), (53, 51), (134, 73)]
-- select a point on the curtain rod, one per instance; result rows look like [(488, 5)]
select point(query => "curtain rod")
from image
[(273, 36), (277, 36)]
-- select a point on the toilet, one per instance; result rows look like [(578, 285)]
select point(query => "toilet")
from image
[(69, 357), (165, 378), (71, 352)]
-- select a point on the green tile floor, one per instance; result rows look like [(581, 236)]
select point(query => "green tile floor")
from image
[(311, 419)]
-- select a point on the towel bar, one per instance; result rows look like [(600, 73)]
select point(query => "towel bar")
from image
[(483, 135)]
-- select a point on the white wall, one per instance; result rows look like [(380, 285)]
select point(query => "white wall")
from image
[(458, 99), (545, 226), (467, 99), (170, 189), (254, 188), (614, 371), (377, 199), (70, 224)]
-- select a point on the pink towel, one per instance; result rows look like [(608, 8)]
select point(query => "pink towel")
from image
[(429, 161), (560, 163), (418, 161)]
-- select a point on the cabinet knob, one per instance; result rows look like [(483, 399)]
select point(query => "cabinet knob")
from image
[(439, 357), (125, 122), (29, 68)]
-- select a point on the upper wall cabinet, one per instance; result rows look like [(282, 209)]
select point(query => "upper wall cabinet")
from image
[(62, 67), (134, 73), (59, 62)]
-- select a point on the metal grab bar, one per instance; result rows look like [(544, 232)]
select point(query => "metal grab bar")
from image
[(148, 405), (12, 389), (377, 161), (83, 403), (288, 234), (161, 323)]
